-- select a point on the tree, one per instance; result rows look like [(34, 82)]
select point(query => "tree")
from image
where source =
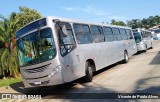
[(26, 15), (157, 19), (145, 22), (113, 22), (135, 23), (120, 23), (9, 65), (151, 21)]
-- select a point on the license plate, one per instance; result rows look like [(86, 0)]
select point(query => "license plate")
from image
[(37, 82)]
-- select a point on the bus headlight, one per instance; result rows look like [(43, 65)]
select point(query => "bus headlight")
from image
[(141, 43), (54, 71)]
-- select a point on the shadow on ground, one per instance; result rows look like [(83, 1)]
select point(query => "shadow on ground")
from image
[(156, 59), (148, 85)]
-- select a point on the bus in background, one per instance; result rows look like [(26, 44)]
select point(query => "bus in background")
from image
[(55, 50), (143, 39), (156, 33)]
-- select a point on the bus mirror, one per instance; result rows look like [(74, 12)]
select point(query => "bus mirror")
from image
[(64, 31)]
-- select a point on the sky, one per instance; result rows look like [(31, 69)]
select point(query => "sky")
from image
[(87, 10)]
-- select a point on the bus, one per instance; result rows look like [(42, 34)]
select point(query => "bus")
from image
[(143, 39), (55, 50), (156, 33)]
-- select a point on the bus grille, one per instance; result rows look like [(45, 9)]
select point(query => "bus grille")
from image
[(35, 70)]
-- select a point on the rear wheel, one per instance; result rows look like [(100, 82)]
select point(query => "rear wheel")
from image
[(145, 49), (151, 46), (126, 58), (89, 72)]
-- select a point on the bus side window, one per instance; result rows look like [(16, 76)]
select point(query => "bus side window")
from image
[(108, 34), (66, 43), (83, 34), (123, 34), (117, 34), (87, 34), (150, 35), (97, 33), (129, 34)]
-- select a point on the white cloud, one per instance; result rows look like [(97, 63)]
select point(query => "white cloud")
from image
[(88, 9), (99, 13), (93, 10), (71, 8), (115, 17)]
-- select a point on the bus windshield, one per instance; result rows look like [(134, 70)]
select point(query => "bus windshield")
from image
[(36, 47), (137, 37)]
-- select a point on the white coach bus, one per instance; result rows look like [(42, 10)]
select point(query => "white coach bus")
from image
[(55, 50), (156, 33), (143, 39)]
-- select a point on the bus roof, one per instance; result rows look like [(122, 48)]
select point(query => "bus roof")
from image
[(73, 21), (85, 22)]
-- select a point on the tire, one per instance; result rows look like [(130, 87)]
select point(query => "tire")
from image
[(145, 49), (89, 72), (126, 58), (151, 46)]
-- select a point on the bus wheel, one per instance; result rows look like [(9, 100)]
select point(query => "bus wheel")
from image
[(145, 49), (126, 58), (151, 46), (89, 72)]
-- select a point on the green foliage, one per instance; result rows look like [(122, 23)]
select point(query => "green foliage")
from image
[(138, 23), (1, 70), (26, 15), (144, 23), (135, 23), (120, 23), (8, 27)]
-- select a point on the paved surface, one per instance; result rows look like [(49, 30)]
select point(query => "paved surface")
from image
[(140, 75)]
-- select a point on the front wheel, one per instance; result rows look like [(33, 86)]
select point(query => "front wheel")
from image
[(89, 72), (126, 58), (151, 46)]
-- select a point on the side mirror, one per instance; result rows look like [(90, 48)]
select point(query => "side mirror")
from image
[(64, 30)]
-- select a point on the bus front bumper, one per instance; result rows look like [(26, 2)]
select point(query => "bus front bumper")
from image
[(54, 78)]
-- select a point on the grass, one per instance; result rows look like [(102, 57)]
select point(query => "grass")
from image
[(9, 81)]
